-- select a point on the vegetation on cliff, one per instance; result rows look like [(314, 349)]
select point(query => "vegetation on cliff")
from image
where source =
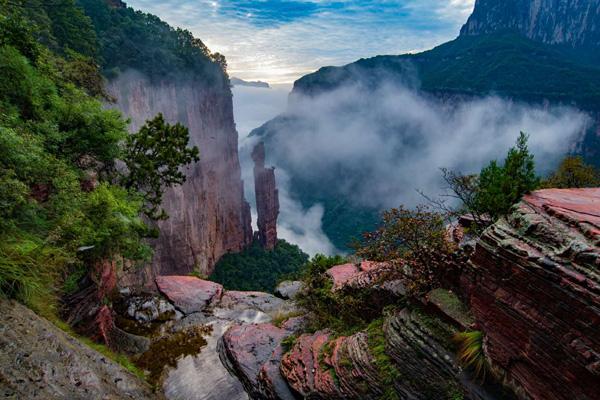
[(130, 39), (258, 269), (62, 206)]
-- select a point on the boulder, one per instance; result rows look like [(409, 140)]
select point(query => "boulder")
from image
[(288, 289), (252, 353), (534, 289), (40, 361), (188, 293)]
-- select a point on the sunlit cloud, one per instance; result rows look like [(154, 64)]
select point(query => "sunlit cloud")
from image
[(280, 40)]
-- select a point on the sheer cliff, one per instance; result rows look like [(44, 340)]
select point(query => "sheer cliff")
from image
[(154, 68), (208, 215), (574, 23)]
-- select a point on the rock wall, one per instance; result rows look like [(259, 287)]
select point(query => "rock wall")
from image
[(572, 22), (208, 215), (534, 289), (267, 198)]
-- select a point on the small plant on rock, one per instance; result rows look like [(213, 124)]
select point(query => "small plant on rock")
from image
[(470, 352)]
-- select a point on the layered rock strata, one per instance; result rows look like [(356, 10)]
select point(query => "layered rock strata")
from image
[(534, 288), (267, 198), (208, 215), (39, 361)]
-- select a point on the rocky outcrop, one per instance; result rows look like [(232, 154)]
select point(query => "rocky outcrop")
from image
[(408, 354), (185, 336), (253, 354), (374, 276), (188, 293), (39, 361), (267, 198), (534, 288), (208, 215), (572, 22)]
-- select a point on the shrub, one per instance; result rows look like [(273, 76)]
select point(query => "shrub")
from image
[(415, 242), (573, 172), (470, 351)]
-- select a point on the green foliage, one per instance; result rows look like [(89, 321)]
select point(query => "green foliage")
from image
[(59, 25), (342, 311), (131, 39), (388, 372), (470, 351), (415, 242), (500, 187), (573, 172), (50, 131), (258, 269), (503, 63), (154, 157)]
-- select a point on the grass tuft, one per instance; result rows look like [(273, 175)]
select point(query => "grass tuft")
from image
[(470, 352)]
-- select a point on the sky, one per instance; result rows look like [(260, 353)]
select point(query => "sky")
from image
[(278, 41)]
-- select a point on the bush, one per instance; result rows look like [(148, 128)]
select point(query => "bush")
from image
[(415, 242), (573, 172)]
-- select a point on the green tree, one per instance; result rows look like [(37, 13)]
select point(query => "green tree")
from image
[(573, 172), (154, 157), (502, 186)]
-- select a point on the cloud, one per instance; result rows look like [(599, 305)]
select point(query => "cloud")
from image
[(253, 106), (377, 148), (278, 41)]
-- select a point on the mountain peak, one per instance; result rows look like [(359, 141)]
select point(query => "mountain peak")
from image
[(575, 23)]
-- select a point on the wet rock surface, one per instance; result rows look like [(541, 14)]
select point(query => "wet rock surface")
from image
[(185, 352), (252, 353), (534, 288), (39, 361), (288, 289), (188, 293)]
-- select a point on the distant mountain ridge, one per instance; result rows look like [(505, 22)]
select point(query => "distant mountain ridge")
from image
[(574, 23), (539, 52)]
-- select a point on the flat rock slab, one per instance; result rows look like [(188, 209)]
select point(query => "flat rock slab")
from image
[(40, 361), (188, 293), (265, 302)]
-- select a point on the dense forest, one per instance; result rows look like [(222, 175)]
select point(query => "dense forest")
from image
[(258, 269)]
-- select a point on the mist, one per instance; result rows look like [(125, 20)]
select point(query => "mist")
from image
[(379, 147)]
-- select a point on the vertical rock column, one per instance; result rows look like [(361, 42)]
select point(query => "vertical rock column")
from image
[(267, 198)]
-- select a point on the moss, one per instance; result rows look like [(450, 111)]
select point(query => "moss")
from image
[(449, 303), (440, 330), (119, 358), (167, 350), (388, 372), (279, 318), (288, 343)]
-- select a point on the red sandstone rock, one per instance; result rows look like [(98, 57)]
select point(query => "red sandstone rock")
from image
[(534, 289), (188, 293), (208, 216), (252, 353), (367, 274), (267, 198)]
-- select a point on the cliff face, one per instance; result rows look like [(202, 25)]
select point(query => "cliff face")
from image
[(208, 215), (267, 198), (535, 292), (572, 22)]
